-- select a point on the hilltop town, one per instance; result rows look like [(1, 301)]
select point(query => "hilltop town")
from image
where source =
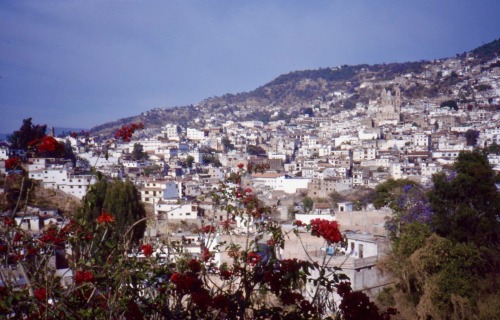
[(319, 155)]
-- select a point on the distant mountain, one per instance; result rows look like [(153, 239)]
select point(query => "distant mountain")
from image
[(58, 131), (289, 94)]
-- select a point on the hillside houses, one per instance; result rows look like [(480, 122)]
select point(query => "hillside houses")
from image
[(390, 134)]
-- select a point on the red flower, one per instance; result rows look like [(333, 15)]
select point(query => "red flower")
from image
[(225, 274), (147, 249), (201, 298), (185, 282), (17, 237), (83, 276), (53, 236), (220, 302), (126, 131), (240, 165), (32, 251), (299, 223), (74, 134), (253, 258), (288, 297), (194, 265), (8, 222), (226, 224), (329, 230), (206, 255), (248, 190), (105, 217), (41, 294), (12, 163), (48, 144), (207, 229)]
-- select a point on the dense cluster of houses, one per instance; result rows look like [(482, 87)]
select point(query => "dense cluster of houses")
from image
[(310, 155)]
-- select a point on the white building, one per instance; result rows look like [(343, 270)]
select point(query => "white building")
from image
[(172, 210), (280, 182), (4, 153), (195, 134), (62, 179)]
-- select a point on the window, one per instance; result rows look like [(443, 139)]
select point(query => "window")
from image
[(360, 246)]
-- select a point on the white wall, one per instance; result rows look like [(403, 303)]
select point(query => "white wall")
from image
[(176, 211), (306, 218)]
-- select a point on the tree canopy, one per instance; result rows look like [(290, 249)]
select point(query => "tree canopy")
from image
[(255, 150), (122, 200), (452, 104), (138, 152), (27, 133), (445, 266), (465, 202), (471, 136)]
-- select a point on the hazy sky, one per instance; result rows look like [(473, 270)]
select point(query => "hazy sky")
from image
[(81, 63)]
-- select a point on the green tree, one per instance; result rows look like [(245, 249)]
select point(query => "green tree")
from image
[(446, 268), (309, 111), (493, 148), (255, 150), (336, 197), (27, 132), (152, 170), (227, 144), (213, 159), (138, 152), (189, 161), (122, 200), (466, 203), (452, 104), (471, 137), (68, 152), (307, 204)]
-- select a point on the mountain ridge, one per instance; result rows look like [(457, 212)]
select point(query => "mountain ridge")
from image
[(291, 92)]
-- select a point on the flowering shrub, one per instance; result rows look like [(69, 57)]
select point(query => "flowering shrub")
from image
[(328, 230), (47, 146), (126, 131), (105, 217), (12, 163), (147, 249), (107, 279), (83, 276)]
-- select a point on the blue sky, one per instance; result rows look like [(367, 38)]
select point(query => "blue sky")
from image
[(82, 63)]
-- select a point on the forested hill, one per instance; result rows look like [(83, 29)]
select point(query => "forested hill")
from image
[(289, 93)]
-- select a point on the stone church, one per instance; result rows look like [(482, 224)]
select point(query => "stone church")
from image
[(390, 106)]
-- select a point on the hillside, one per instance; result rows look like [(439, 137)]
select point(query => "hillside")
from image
[(290, 93)]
